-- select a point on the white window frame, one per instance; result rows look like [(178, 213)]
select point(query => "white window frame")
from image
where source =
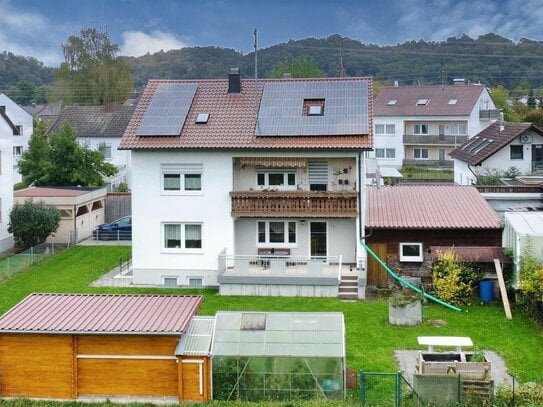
[(419, 258), (419, 128), (182, 231), (385, 129), (420, 154), (286, 233), (459, 129), (267, 172), (18, 151), (385, 153), (181, 170), (176, 278)]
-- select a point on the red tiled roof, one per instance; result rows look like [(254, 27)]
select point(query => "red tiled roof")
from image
[(232, 121), (474, 254), (111, 314), (429, 207), (495, 139), (438, 100), (34, 192)]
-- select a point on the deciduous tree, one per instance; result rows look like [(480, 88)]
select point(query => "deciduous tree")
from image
[(299, 67), (32, 222)]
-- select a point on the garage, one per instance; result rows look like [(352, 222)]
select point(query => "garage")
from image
[(89, 346)]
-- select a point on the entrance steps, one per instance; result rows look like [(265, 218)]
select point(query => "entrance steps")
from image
[(348, 287)]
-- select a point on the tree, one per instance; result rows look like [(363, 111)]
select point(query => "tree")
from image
[(532, 103), (91, 73), (31, 223), (500, 96), (22, 93), (299, 67), (63, 162)]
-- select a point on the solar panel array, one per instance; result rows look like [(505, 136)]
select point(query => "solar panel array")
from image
[(168, 110), (345, 109)]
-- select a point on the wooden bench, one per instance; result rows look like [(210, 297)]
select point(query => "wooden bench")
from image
[(447, 341)]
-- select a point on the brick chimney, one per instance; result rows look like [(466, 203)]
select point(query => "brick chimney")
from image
[(109, 107), (234, 81)]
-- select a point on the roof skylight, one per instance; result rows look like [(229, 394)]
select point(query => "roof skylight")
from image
[(392, 102), (422, 102), (453, 101), (202, 118)]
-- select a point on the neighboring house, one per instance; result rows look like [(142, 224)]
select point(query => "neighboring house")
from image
[(77, 346), (47, 112), (523, 230), (421, 125), (16, 126), (406, 223), (6, 192), (81, 209), (100, 127), (258, 184), (501, 146)]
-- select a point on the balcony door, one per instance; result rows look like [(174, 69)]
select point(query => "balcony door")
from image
[(537, 157), (318, 239)]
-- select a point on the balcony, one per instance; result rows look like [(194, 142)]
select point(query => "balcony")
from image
[(444, 164), (437, 140), (489, 114), (294, 204)]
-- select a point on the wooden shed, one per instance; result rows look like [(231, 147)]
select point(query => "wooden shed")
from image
[(73, 346)]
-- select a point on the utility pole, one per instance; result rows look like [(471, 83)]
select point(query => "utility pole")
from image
[(256, 53)]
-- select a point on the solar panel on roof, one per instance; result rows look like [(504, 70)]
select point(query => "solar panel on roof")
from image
[(345, 110), (168, 109)]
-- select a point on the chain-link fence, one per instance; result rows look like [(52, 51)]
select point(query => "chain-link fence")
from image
[(22, 261)]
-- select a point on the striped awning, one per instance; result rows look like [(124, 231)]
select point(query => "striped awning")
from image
[(280, 162)]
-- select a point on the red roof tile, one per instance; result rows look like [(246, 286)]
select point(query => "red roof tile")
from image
[(232, 121), (438, 100), (111, 314), (429, 207)]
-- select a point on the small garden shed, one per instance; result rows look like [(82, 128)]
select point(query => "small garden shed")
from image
[(278, 356), (73, 346)]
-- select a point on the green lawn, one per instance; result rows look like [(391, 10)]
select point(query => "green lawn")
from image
[(370, 339)]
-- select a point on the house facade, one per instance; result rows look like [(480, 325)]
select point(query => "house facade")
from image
[(16, 127), (6, 192), (253, 186), (420, 125), (500, 147), (407, 224), (101, 128)]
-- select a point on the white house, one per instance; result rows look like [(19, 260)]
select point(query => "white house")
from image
[(256, 186), (6, 190), (100, 127), (16, 127), (501, 146), (421, 125)]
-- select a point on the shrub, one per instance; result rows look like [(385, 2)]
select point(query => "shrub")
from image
[(452, 282), (530, 294), (512, 172), (490, 176), (31, 223), (526, 394)]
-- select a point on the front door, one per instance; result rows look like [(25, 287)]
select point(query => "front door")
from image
[(537, 157), (377, 275), (318, 239), (192, 377)]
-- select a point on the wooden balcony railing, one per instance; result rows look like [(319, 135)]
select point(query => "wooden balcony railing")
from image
[(285, 204)]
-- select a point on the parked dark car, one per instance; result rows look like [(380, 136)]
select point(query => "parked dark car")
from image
[(120, 229)]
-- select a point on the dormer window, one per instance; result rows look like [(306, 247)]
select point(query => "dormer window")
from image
[(392, 102), (313, 107), (422, 102), (202, 118)]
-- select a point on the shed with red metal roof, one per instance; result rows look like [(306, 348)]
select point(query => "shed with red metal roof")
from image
[(404, 222), (72, 346)]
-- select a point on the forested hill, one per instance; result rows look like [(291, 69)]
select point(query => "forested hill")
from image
[(489, 59)]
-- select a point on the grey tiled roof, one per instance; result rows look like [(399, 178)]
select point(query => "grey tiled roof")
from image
[(93, 121)]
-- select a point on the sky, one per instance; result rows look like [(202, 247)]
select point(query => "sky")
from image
[(37, 28)]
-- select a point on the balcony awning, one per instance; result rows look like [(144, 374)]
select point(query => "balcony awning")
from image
[(278, 162)]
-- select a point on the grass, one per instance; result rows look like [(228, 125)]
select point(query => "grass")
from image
[(370, 339)]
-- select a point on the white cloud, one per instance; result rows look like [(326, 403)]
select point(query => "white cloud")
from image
[(137, 43)]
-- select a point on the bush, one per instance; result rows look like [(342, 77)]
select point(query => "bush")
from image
[(526, 394), (31, 223), (453, 282), (530, 294), (490, 176)]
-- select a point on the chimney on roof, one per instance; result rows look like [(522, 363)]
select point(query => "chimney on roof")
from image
[(459, 81), (396, 84), (502, 127), (109, 106), (234, 81)]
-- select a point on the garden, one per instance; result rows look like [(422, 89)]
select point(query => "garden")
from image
[(370, 339)]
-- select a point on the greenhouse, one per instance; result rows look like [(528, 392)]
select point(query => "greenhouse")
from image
[(278, 356)]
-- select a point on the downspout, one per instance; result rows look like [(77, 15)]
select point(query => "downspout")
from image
[(474, 175)]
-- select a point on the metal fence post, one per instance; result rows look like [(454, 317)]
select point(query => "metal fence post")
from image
[(362, 386), (398, 400)]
